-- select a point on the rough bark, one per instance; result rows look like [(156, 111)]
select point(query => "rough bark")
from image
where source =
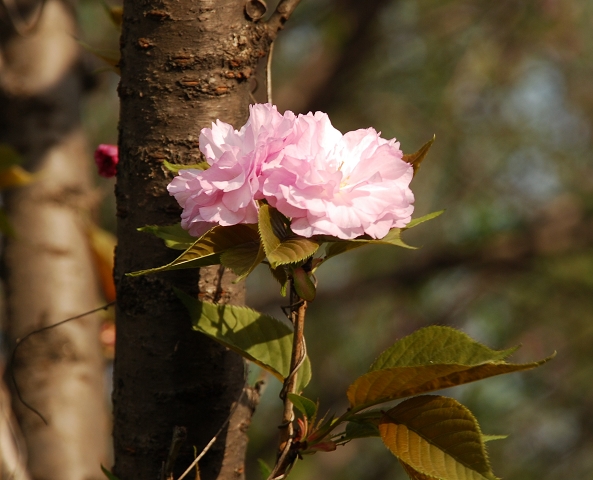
[(184, 64), (49, 271)]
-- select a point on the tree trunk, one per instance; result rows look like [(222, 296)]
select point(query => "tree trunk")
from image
[(184, 64), (49, 269)]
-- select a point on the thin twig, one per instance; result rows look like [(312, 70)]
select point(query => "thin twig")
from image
[(20, 341), (269, 73), (222, 427), (277, 20), (179, 437), (286, 456)]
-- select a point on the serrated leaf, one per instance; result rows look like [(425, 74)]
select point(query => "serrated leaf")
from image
[(257, 337), (175, 168), (175, 236), (417, 221), (304, 405), (430, 359), (438, 344), (108, 474), (415, 475), (207, 249), (280, 244), (281, 277), (416, 158), (303, 285), (437, 437), (243, 259)]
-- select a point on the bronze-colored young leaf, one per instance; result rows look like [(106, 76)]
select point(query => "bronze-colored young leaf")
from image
[(303, 284), (382, 386), (175, 168), (206, 250), (430, 359), (281, 276), (280, 244), (414, 474), (416, 158), (260, 338), (174, 236), (242, 259), (436, 437)]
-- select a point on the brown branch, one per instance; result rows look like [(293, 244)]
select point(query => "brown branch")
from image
[(280, 16)]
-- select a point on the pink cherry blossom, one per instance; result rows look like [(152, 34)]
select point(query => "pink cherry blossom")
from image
[(224, 194), (340, 185), (106, 159)]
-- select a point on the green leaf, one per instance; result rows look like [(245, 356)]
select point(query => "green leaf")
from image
[(438, 344), (425, 218), (436, 437), (303, 285), (242, 259), (491, 438), (260, 338), (430, 359), (360, 430), (280, 244), (264, 469), (206, 250), (175, 168), (108, 474), (175, 236), (281, 277), (416, 158), (304, 405), (333, 249)]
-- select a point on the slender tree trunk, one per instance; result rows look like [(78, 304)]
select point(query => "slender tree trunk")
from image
[(184, 64), (48, 266)]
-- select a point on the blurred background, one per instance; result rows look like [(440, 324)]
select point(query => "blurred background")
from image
[(507, 88)]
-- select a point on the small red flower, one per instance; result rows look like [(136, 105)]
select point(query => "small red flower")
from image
[(106, 158)]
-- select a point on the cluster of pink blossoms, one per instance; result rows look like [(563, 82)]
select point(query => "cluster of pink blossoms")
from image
[(325, 182)]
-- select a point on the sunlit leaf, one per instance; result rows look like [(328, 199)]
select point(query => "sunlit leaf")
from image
[(175, 236), (281, 245), (242, 259), (415, 475), (491, 438), (437, 437), (175, 168), (304, 405), (438, 344), (417, 221), (416, 158), (430, 359), (260, 338), (303, 284), (207, 249)]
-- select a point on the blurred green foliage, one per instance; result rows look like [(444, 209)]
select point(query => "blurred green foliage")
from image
[(506, 88)]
